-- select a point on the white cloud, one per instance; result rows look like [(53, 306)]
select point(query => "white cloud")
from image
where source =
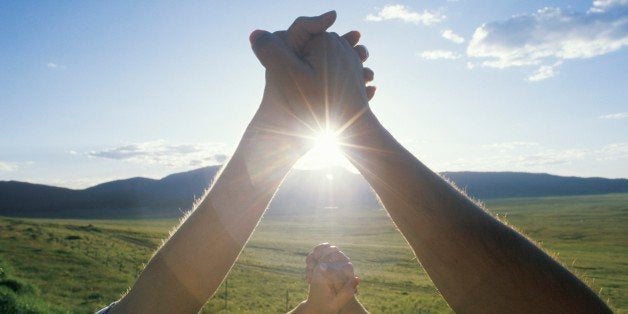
[(614, 116), (402, 13), (55, 66), (439, 54), (544, 72), (521, 154), (8, 166), (551, 35), (159, 152), (612, 152), (510, 145), (531, 156), (450, 35), (600, 6)]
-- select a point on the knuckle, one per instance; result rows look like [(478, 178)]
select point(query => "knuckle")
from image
[(298, 22)]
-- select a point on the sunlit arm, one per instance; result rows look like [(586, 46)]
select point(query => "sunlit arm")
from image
[(188, 269), (478, 263)]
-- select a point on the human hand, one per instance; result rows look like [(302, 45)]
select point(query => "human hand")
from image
[(314, 80), (332, 281)]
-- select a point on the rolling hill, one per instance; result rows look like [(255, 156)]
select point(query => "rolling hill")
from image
[(302, 189)]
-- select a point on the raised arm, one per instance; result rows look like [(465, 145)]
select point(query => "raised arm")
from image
[(478, 263), (189, 267)]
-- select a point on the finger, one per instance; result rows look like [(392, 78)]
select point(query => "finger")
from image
[(320, 246), (321, 253), (273, 54), (368, 74), (335, 257), (347, 270), (333, 277), (311, 261), (304, 27), (322, 274), (315, 255), (362, 52), (370, 92), (346, 293), (352, 37), (321, 284)]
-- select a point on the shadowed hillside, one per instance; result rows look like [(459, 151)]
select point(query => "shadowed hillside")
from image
[(303, 189), (485, 185)]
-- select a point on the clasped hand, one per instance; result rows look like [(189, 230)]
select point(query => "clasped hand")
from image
[(315, 80)]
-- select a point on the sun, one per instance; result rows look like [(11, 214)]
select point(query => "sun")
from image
[(326, 153), (326, 141)]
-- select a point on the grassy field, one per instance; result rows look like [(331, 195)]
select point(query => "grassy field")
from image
[(81, 265)]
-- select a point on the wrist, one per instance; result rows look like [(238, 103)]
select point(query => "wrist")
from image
[(308, 307), (365, 131), (352, 307), (275, 125)]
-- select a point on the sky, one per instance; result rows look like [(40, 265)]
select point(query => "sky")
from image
[(92, 91)]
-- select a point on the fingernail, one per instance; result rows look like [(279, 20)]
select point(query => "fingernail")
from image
[(256, 34)]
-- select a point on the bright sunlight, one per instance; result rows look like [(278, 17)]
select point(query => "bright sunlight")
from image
[(326, 153)]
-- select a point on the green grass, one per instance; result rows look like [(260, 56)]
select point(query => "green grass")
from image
[(81, 265)]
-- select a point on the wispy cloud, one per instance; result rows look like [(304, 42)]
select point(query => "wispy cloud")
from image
[(8, 166), (159, 152), (54, 66), (439, 54), (600, 6), (551, 35), (404, 14), (612, 151), (510, 145), (614, 116), (451, 36), (544, 72), (532, 156)]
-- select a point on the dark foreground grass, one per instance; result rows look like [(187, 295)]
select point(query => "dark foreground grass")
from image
[(81, 265)]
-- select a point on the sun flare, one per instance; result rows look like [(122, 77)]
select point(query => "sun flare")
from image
[(325, 153), (327, 141)]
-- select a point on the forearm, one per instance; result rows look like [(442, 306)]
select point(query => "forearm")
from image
[(190, 266), (477, 262)]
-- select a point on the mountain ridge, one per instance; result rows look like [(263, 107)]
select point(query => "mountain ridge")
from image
[(174, 194)]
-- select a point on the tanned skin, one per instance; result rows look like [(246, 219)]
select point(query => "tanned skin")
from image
[(479, 264)]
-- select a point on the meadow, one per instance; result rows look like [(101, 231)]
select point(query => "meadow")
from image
[(58, 266)]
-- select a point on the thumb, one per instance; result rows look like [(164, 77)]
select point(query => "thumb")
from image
[(306, 26), (346, 293), (272, 52)]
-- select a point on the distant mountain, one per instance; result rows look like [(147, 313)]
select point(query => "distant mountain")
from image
[(486, 185), (135, 197), (302, 190)]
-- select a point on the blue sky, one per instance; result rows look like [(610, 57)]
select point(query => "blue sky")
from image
[(93, 91)]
